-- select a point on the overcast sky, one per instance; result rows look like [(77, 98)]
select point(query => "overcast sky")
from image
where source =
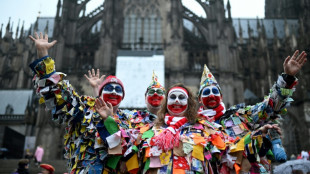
[(28, 10)]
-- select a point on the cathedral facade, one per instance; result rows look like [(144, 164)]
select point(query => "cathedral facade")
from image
[(243, 54)]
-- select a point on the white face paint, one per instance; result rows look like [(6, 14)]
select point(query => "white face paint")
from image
[(177, 102), (113, 88), (209, 90), (177, 97)]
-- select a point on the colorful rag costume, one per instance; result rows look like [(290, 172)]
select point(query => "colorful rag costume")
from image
[(179, 146), (195, 148), (240, 121), (91, 144)]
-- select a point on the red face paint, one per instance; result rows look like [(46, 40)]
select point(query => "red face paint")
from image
[(155, 100), (112, 98), (177, 109), (211, 101)]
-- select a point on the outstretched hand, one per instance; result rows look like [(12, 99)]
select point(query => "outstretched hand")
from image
[(94, 79), (103, 109), (42, 43), (292, 65)]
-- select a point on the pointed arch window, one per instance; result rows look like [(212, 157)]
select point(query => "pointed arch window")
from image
[(142, 28)]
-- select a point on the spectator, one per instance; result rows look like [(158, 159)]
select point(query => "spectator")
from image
[(38, 155), (304, 155), (23, 166), (47, 169)]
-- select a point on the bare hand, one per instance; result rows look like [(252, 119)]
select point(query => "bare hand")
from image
[(266, 127), (93, 78), (42, 44), (103, 109), (292, 65)]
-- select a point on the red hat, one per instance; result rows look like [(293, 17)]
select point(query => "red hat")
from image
[(48, 167), (111, 79)]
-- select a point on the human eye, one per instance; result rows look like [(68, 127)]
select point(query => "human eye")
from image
[(159, 92), (215, 91), (173, 96), (181, 97), (118, 89), (151, 91), (108, 88), (206, 91)]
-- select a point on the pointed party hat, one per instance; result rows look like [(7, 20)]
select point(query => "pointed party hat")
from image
[(154, 83), (207, 79)]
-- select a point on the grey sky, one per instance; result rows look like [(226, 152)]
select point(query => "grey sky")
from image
[(26, 10)]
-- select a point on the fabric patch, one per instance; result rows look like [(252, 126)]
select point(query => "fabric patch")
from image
[(111, 125), (155, 162), (180, 163), (132, 163), (165, 158), (237, 130), (197, 165), (198, 152), (113, 161), (114, 139), (187, 148)]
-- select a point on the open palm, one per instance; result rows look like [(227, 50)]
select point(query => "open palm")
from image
[(103, 109), (292, 65), (93, 78), (42, 43)]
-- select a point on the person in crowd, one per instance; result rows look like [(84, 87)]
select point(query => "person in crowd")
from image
[(47, 169), (23, 166), (241, 121), (38, 155)]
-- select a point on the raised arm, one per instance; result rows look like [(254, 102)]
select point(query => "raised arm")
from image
[(281, 92)]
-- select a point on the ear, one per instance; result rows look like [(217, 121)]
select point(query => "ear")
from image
[(199, 99)]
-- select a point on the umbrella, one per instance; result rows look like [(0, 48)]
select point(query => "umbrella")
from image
[(289, 166)]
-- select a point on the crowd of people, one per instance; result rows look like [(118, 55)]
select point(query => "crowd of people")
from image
[(171, 135)]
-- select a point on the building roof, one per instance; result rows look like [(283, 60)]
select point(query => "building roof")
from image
[(268, 24), (18, 100), (42, 22)]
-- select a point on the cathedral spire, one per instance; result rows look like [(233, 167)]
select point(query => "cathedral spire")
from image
[(17, 29), (11, 30), (1, 31), (275, 32), (7, 30), (263, 29), (46, 28), (249, 30), (58, 9), (22, 31), (286, 29), (29, 31), (35, 29), (240, 32), (258, 26), (8, 25), (229, 10)]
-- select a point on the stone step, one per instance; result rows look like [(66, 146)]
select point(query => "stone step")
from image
[(7, 166)]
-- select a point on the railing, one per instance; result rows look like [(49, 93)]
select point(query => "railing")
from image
[(12, 117)]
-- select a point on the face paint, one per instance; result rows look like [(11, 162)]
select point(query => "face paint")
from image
[(177, 101), (112, 93), (155, 96), (211, 97)]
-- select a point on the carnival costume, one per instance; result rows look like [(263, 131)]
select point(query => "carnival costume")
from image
[(241, 121), (92, 145), (179, 146)]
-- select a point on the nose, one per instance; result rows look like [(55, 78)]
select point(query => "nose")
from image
[(113, 92), (155, 94), (211, 96)]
